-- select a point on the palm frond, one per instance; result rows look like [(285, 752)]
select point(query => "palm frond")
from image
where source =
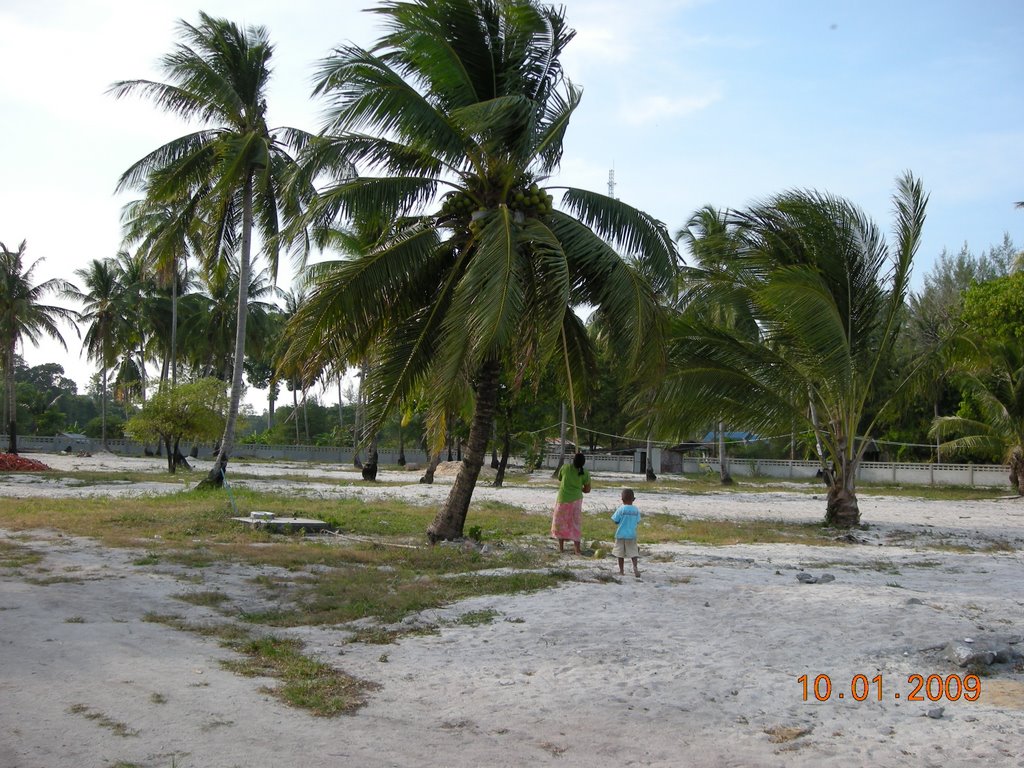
[(630, 230)]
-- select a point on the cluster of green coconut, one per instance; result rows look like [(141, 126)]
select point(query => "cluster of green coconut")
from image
[(532, 201), (458, 204)]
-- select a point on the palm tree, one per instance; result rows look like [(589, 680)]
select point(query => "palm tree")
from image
[(110, 322), (995, 389), (139, 299), (23, 316), (468, 99), (827, 296), (166, 235), (211, 323), (231, 172)]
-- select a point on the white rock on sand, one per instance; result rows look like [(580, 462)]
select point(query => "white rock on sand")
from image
[(696, 664)]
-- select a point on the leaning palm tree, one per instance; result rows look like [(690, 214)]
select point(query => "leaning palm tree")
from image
[(461, 110), (230, 172), (106, 309), (827, 295), (24, 316)]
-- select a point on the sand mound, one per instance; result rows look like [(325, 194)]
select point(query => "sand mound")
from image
[(451, 469)]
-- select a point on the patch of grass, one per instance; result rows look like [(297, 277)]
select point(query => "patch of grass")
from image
[(74, 620), (998, 545), (46, 581), (375, 636), (342, 595), (210, 598), (661, 528), (158, 698), (476, 618), (223, 631), (118, 728), (17, 555), (305, 682), (932, 492), (882, 566), (151, 558)]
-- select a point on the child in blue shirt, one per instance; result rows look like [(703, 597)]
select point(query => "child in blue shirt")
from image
[(627, 516)]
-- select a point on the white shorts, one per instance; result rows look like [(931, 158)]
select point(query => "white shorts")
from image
[(626, 548)]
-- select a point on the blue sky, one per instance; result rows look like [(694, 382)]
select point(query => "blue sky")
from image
[(693, 102)]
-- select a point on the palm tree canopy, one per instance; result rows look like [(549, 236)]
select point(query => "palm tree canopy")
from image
[(23, 316), (993, 384), (459, 112), (217, 75), (827, 296), (106, 309)]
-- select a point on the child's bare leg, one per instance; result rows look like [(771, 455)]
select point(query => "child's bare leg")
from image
[(576, 547), (636, 570), (622, 566)]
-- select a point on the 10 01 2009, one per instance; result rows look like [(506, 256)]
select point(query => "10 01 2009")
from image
[(920, 688)]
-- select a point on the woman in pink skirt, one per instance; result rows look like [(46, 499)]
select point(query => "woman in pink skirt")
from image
[(574, 481)]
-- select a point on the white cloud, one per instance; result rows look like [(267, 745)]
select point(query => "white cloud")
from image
[(654, 108)]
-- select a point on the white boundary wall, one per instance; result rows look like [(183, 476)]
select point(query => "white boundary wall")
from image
[(891, 473), (987, 475), (320, 453)]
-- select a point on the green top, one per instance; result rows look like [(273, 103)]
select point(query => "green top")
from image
[(571, 486)]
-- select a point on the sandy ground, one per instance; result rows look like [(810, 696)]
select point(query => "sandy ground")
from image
[(696, 664)]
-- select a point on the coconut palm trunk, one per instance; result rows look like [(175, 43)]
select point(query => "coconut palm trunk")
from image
[(650, 476), (506, 446), (103, 405), (174, 328), (723, 459), (451, 518), (842, 510), (227, 442), (12, 421), (1017, 470), (428, 474), (561, 443)]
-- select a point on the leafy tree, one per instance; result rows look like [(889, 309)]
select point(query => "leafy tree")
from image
[(24, 316), (468, 98), (193, 411), (931, 335), (994, 310), (994, 387), (230, 173), (827, 294)]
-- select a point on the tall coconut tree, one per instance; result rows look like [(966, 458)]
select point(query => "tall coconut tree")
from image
[(232, 170), (139, 296), (456, 120), (23, 315), (106, 309), (166, 235), (827, 295)]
